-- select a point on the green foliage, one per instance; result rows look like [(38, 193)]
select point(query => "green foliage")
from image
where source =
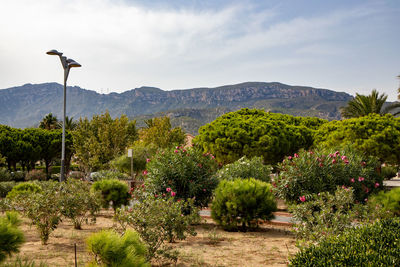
[(35, 175), (5, 188), (22, 262), (373, 135), (159, 133), (367, 245), (310, 172), (25, 188), (324, 214), (245, 168), (106, 174), (5, 175), (78, 203), (388, 201), (388, 172), (254, 132), (140, 153), (187, 172), (363, 105), (111, 250), (11, 238), (113, 191), (158, 219), (100, 140), (49, 122), (241, 202)]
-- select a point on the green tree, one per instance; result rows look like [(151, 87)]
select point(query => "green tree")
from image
[(70, 124), (252, 132), (49, 122), (100, 140), (363, 105), (374, 135), (159, 133)]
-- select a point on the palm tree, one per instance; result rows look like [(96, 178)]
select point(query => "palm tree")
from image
[(70, 124), (395, 106), (363, 105), (49, 122)]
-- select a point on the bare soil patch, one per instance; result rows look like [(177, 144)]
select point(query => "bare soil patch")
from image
[(268, 246)]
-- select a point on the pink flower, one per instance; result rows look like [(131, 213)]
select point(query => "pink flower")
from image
[(204, 190), (360, 179), (156, 195), (176, 151), (147, 160), (337, 153), (321, 165), (145, 172), (333, 161), (169, 189), (173, 193), (302, 198), (363, 164), (296, 155), (366, 200), (377, 185), (177, 147), (290, 158), (346, 162), (344, 157), (344, 187), (199, 165), (352, 180)]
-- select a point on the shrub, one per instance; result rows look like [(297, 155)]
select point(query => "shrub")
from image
[(18, 176), (113, 191), (5, 175), (246, 168), (110, 249), (33, 175), (42, 207), (388, 201), (372, 245), (324, 214), (6, 187), (242, 202), (188, 172), (78, 203), (311, 172), (105, 174), (388, 172), (25, 188), (11, 238), (158, 219)]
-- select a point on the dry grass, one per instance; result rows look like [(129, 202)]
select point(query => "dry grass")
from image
[(270, 246)]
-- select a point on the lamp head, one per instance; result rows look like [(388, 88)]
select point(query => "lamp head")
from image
[(72, 63), (54, 52)]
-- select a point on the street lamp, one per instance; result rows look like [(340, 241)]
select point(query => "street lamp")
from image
[(67, 64)]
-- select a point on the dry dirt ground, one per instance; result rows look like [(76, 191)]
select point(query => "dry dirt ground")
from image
[(269, 246)]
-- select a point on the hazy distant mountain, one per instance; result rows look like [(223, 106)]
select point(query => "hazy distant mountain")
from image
[(26, 105)]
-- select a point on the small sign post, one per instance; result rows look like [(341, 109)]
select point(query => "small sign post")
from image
[(130, 155)]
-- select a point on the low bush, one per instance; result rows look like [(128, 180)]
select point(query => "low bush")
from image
[(114, 191), (11, 238), (367, 245), (312, 172), (188, 172), (5, 175), (246, 168), (324, 214), (6, 187), (37, 175), (241, 203), (78, 203), (112, 250), (388, 172), (388, 201), (158, 219), (105, 174), (25, 188), (18, 176)]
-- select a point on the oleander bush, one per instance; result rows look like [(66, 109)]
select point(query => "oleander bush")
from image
[(11, 237), (109, 249), (246, 168), (367, 245), (112, 191), (38, 175), (310, 172), (188, 172), (79, 203), (240, 203), (159, 219)]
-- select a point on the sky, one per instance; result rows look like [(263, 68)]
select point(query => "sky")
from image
[(342, 45)]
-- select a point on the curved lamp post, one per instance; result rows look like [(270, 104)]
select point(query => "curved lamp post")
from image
[(67, 64)]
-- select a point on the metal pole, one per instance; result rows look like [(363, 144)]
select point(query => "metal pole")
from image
[(62, 169), (132, 166), (76, 264)]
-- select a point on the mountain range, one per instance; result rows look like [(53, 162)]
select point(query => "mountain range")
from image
[(24, 106)]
